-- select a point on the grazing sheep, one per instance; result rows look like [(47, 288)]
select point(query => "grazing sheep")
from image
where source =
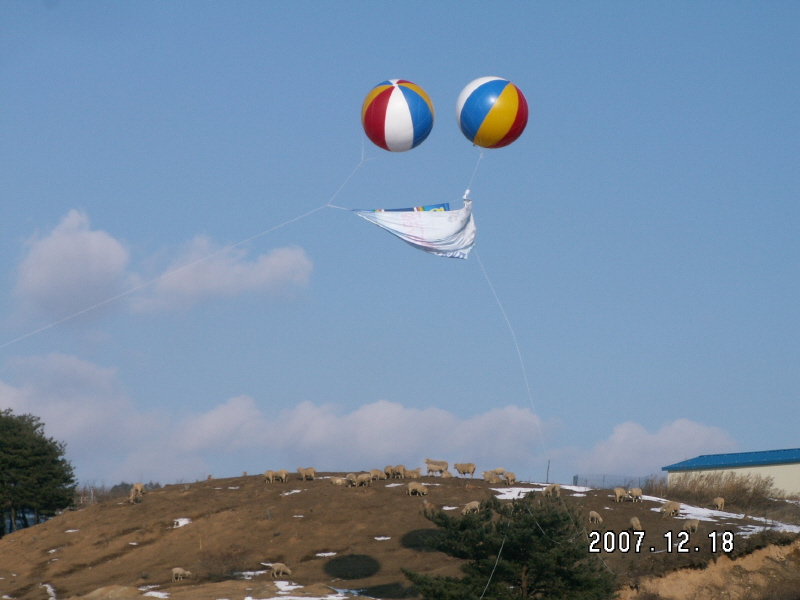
[(446, 474), (414, 473), (178, 574), (471, 507), (364, 479), (635, 524), (134, 497), (279, 570), (209, 478), (435, 468), (377, 474), (310, 472), (389, 470), (670, 508), (510, 478), (338, 480), (719, 503), (269, 476), (635, 494), (282, 475), (244, 473), (554, 489), (442, 463), (350, 478), (594, 517), (491, 477), (499, 470), (399, 472), (619, 494), (691, 525), (464, 468), (416, 489)]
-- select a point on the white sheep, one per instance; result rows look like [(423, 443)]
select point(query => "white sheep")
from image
[(670, 508), (491, 477), (471, 507), (510, 478), (446, 474), (389, 471), (364, 479), (178, 574), (377, 474), (400, 471), (338, 480), (269, 476), (435, 468), (465, 468), (350, 478), (414, 473), (635, 494), (619, 494), (309, 473), (691, 525), (282, 475), (554, 489), (416, 489), (137, 491), (499, 470), (279, 570), (719, 503), (594, 517), (441, 463)]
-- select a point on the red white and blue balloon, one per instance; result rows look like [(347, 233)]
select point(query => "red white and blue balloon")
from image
[(491, 112), (397, 115)]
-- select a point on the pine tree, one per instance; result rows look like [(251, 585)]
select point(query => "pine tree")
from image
[(35, 478), (530, 548)]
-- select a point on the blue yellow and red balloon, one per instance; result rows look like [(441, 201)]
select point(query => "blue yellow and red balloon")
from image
[(397, 115), (491, 112)]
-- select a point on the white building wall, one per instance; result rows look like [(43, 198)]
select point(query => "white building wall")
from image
[(786, 476)]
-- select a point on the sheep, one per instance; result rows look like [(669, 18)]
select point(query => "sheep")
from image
[(377, 474), (719, 503), (554, 489), (435, 468), (282, 475), (350, 478), (414, 473), (619, 494), (309, 473), (594, 517), (178, 574), (338, 480), (491, 477), (464, 468), (499, 470), (399, 471), (364, 479), (269, 477), (635, 494), (691, 525), (670, 508), (389, 470), (471, 507), (510, 478), (416, 489), (446, 474), (279, 570), (442, 463)]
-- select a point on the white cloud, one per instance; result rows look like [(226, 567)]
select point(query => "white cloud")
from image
[(206, 271), (70, 269), (632, 450)]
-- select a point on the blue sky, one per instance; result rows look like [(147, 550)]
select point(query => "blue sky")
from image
[(641, 235)]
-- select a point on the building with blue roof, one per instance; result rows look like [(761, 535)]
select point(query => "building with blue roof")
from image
[(782, 465)]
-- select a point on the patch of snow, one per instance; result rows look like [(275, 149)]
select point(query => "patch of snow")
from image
[(50, 591), (394, 484), (289, 493), (324, 554), (71, 530), (233, 487), (133, 543), (144, 588), (157, 594), (251, 574), (180, 522), (7, 597), (449, 507), (512, 493), (382, 538), (52, 551), (298, 516), (217, 488), (286, 586), (578, 495), (427, 484)]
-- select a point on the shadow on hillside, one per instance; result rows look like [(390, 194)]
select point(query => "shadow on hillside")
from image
[(389, 591), (421, 540), (352, 566)]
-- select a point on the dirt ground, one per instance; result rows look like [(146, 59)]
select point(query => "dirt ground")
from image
[(373, 531)]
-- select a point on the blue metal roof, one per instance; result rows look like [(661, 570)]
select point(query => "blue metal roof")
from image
[(737, 459)]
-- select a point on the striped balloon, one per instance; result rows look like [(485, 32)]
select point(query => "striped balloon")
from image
[(397, 115), (491, 112)]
